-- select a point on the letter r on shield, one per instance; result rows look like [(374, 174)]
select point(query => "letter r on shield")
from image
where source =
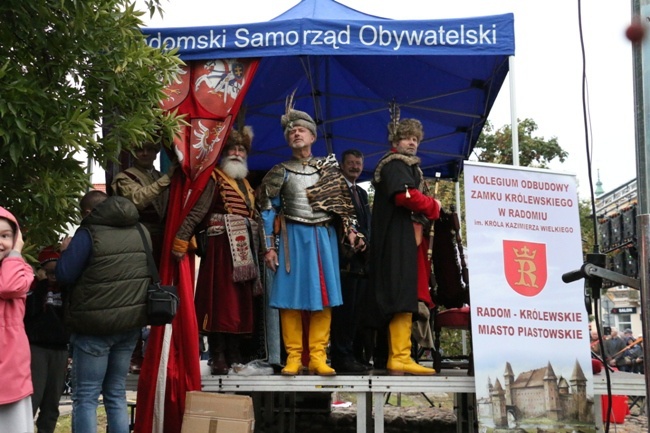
[(525, 266)]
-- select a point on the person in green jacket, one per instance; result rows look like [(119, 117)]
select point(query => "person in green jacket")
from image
[(104, 272)]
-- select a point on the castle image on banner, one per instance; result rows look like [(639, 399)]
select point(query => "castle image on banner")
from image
[(538, 394)]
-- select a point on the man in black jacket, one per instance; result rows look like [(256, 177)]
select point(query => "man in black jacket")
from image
[(399, 267), (354, 274), (105, 276), (614, 349)]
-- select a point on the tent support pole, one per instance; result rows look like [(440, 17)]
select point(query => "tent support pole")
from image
[(514, 126)]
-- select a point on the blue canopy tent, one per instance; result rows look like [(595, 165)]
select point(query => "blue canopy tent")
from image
[(348, 66)]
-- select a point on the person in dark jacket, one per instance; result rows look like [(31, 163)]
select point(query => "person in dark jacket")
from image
[(48, 342), (104, 273), (148, 189), (614, 347), (354, 273), (399, 268)]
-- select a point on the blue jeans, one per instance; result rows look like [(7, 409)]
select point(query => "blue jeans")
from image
[(100, 365)]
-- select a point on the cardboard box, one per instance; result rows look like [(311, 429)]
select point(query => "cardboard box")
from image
[(207, 412)]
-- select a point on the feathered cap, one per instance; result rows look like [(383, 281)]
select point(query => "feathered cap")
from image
[(292, 118), (399, 129), (242, 135)]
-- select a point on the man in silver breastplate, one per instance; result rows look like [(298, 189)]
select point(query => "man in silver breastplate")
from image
[(300, 202)]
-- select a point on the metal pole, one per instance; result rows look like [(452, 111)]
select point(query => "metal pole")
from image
[(641, 63), (514, 123), (643, 245)]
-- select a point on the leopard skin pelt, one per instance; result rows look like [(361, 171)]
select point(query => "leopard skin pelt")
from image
[(331, 193)]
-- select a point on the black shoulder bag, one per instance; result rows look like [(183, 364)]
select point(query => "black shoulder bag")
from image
[(162, 301)]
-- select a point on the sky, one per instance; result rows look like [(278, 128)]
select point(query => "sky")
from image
[(547, 76)]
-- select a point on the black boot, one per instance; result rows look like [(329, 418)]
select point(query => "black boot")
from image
[(380, 352), (233, 349), (217, 362), (364, 344)]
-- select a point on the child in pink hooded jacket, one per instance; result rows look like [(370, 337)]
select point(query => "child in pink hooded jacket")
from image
[(16, 276)]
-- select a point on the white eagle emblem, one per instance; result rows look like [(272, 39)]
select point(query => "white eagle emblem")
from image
[(204, 145)]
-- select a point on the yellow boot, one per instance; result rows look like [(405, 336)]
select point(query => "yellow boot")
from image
[(399, 348), (319, 336), (291, 321)]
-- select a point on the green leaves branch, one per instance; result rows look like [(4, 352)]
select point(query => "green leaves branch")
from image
[(78, 81)]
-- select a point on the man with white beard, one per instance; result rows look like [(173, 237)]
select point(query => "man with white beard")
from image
[(225, 222)]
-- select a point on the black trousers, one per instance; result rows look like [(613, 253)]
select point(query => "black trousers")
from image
[(48, 377), (346, 318)]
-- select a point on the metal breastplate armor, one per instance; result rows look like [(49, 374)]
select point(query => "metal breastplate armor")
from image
[(295, 204)]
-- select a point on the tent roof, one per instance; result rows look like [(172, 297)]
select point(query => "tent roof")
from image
[(348, 66), (325, 10)]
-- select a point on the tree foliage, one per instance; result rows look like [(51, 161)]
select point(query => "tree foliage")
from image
[(587, 228), (70, 69), (496, 146)]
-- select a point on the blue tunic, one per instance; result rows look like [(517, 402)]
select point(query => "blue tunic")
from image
[(313, 281)]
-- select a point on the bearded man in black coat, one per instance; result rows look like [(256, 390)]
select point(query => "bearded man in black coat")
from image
[(399, 267)]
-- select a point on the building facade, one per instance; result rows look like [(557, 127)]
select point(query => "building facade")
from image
[(616, 213)]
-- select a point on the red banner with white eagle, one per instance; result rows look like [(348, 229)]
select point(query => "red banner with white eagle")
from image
[(209, 95)]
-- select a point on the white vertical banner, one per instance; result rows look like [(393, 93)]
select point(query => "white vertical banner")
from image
[(530, 330)]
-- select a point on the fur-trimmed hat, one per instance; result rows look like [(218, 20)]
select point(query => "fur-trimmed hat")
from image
[(241, 137), (295, 118), (292, 118), (48, 254), (405, 128)]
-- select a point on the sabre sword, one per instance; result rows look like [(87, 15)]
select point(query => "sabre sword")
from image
[(432, 277)]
